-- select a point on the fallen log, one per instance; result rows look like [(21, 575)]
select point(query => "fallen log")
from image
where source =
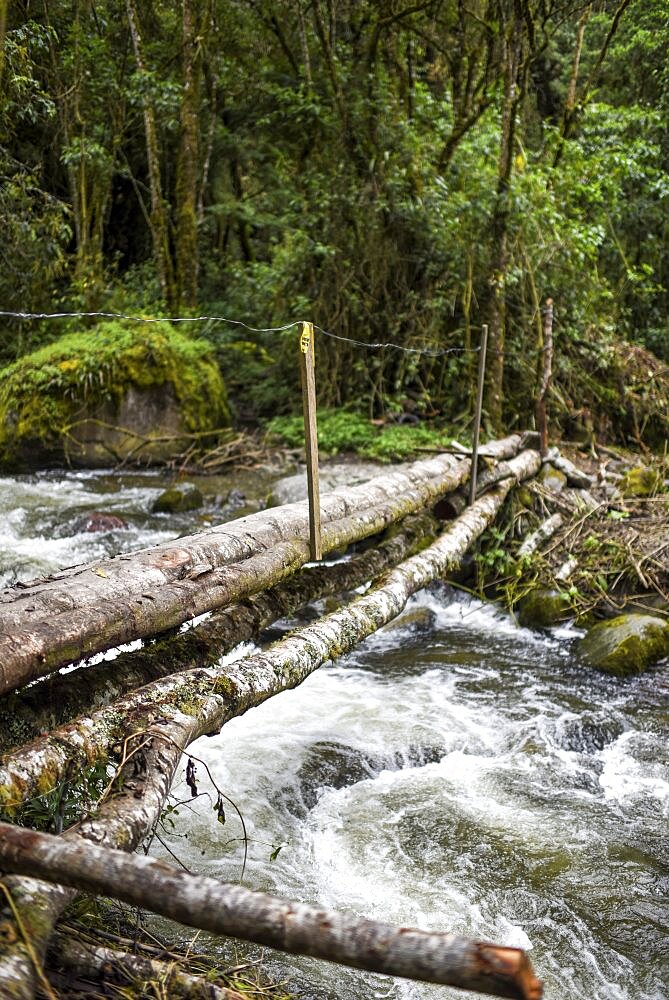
[(52, 702), (123, 968), (195, 702), (294, 927), (545, 531), (49, 624), (124, 820)]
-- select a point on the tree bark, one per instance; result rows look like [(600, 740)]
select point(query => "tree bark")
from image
[(61, 697), (512, 50), (196, 702), (297, 928), (186, 243), (158, 218), (124, 820), (49, 624)]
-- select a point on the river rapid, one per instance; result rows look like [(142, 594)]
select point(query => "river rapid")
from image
[(456, 772)]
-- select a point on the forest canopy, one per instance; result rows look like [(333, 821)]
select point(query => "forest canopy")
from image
[(392, 170)]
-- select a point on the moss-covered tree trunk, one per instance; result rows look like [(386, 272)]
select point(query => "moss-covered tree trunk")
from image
[(187, 164), (512, 31), (159, 216)]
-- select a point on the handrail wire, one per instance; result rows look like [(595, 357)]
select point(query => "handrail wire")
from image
[(99, 314)]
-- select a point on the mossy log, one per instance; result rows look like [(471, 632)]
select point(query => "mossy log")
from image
[(122, 967), (168, 725), (297, 928), (200, 701), (52, 623), (57, 699)]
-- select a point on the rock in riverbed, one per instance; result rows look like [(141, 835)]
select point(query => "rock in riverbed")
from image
[(625, 645), (177, 499)]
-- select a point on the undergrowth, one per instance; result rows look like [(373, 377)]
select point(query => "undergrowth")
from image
[(347, 431)]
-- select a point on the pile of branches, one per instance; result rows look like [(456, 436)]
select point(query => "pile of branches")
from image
[(603, 550)]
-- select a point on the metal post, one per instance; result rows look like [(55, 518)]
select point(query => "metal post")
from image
[(477, 413), (307, 367)]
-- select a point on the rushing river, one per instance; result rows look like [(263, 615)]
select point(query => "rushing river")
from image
[(458, 773)]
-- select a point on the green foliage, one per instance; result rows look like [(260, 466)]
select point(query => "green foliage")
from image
[(349, 174), (344, 430), (68, 801)]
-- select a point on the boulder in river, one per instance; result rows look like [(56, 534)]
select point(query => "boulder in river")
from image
[(543, 608), (98, 520), (625, 645), (176, 499), (290, 489), (117, 392)]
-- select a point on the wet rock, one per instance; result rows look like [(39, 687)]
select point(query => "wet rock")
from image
[(98, 520), (552, 478), (177, 499), (588, 733), (543, 608), (418, 621), (290, 489), (236, 499), (625, 645), (335, 765)]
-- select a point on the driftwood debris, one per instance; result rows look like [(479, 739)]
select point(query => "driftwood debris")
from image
[(124, 968), (545, 531), (198, 901), (50, 624), (213, 695)]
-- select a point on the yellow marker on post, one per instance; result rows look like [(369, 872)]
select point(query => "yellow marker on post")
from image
[(307, 367)]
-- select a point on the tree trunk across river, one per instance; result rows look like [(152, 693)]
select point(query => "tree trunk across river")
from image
[(455, 772)]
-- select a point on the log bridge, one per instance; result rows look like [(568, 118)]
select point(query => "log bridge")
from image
[(133, 717)]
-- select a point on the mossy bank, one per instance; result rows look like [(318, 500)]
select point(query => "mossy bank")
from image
[(108, 394)]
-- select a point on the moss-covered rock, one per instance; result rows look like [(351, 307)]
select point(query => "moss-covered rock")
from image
[(113, 392), (543, 608), (626, 644), (552, 478), (176, 499), (642, 482)]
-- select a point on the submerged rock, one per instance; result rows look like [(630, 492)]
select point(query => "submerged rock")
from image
[(543, 608), (625, 645), (98, 520), (177, 499), (417, 621)]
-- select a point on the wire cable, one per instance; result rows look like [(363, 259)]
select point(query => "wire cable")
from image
[(99, 314)]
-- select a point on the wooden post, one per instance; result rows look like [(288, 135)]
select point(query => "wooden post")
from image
[(307, 367), (540, 412), (477, 413)]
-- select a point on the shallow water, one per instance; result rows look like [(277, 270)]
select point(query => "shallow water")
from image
[(468, 775)]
